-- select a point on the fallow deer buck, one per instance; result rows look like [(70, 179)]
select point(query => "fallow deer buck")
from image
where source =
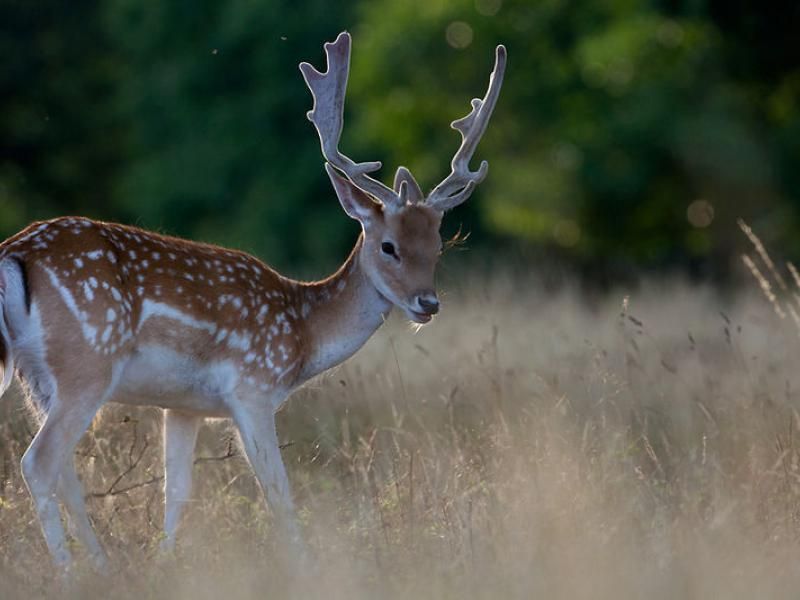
[(96, 312)]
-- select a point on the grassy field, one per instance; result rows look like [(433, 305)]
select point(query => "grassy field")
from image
[(643, 444)]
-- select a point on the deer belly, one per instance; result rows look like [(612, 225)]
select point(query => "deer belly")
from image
[(160, 376)]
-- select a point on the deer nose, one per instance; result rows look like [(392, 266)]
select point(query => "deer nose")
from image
[(429, 303)]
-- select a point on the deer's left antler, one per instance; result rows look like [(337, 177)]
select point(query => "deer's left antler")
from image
[(461, 181)]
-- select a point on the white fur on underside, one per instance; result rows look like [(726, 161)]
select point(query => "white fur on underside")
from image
[(155, 375)]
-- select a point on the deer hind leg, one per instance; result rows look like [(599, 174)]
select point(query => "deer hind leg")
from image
[(180, 436), (47, 460), (70, 492)]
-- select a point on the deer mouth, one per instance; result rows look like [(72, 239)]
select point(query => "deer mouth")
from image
[(419, 317)]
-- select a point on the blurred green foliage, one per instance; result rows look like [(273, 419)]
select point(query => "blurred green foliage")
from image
[(628, 132)]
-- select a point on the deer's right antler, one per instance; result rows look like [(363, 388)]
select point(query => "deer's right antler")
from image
[(327, 115)]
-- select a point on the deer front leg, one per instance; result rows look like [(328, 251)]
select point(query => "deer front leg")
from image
[(180, 436), (256, 425)]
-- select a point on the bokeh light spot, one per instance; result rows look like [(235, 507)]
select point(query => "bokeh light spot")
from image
[(459, 34), (700, 213), (488, 8)]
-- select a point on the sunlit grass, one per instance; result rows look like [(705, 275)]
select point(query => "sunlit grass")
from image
[(521, 445)]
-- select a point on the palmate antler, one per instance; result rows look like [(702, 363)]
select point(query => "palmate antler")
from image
[(327, 115), (460, 183)]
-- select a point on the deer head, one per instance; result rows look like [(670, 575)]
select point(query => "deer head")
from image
[(401, 241)]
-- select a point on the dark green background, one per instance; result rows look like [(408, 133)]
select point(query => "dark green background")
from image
[(616, 116)]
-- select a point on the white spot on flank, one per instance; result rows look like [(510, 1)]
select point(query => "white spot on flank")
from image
[(115, 294), (79, 263), (87, 291), (241, 342), (159, 309), (93, 282), (106, 334), (94, 254), (262, 312), (89, 332), (110, 315)]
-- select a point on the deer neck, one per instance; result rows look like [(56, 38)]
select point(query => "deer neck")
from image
[(343, 311)]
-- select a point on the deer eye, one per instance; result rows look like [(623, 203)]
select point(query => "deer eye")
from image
[(388, 249)]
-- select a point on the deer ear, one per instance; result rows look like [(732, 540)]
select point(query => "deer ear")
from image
[(356, 203)]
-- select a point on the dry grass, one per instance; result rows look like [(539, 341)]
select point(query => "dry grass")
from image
[(523, 445)]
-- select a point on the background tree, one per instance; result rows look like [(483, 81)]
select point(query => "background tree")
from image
[(629, 134)]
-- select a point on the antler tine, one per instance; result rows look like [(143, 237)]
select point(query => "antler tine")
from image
[(328, 90), (461, 181)]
